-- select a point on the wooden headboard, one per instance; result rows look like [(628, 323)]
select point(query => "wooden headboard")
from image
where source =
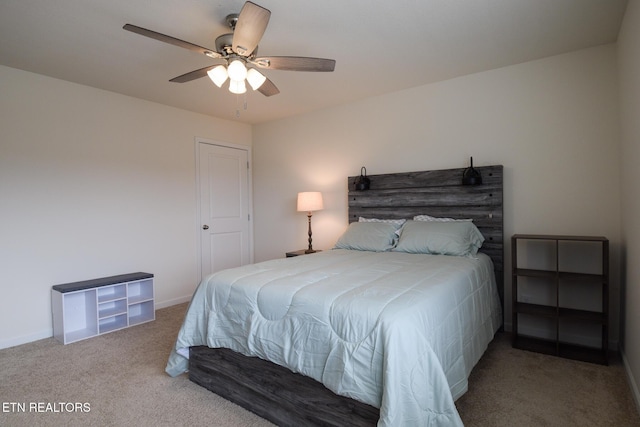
[(438, 193)]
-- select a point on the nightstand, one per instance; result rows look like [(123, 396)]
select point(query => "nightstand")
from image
[(300, 252)]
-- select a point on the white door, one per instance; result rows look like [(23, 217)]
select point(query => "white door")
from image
[(224, 207)]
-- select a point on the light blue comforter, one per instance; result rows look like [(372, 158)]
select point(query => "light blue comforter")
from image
[(398, 331)]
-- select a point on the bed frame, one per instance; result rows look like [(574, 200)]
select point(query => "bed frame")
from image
[(289, 399)]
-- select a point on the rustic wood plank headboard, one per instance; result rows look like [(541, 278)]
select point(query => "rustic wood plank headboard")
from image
[(438, 193)]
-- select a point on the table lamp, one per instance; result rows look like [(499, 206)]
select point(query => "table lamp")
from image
[(309, 201)]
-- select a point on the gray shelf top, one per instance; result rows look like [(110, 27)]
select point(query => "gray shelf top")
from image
[(103, 281)]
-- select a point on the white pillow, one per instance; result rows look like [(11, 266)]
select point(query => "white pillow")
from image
[(433, 218), (459, 238), (368, 236), (398, 222)]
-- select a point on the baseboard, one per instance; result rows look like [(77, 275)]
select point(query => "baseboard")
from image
[(175, 301), (630, 379), (12, 342)]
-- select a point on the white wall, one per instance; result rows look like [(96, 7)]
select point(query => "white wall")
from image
[(629, 66), (93, 184), (552, 123)]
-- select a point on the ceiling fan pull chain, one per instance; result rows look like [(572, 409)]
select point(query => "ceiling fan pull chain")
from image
[(244, 104), (237, 106)]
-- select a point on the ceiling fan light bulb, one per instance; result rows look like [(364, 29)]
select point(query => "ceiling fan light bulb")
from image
[(237, 71), (237, 86), (255, 78), (218, 75)]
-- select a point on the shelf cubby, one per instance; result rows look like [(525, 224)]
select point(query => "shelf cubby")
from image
[(141, 312), (112, 308), (111, 293), (113, 323), (140, 291)]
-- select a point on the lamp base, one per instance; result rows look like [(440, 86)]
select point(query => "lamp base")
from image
[(309, 251)]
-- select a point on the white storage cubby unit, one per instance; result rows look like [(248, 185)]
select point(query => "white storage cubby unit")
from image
[(92, 307)]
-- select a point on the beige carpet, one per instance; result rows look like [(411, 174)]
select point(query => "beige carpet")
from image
[(510, 387), (118, 379)]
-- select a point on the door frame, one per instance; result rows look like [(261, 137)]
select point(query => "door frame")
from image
[(198, 225)]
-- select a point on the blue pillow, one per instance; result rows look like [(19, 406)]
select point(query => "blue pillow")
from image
[(369, 236), (459, 238)]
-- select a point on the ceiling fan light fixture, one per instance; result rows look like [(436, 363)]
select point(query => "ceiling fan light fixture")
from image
[(255, 78), (236, 50), (218, 75), (237, 70), (237, 86)]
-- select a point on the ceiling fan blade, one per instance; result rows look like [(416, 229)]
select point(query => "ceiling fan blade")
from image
[(251, 25), (193, 75), (268, 88), (294, 63), (171, 40)]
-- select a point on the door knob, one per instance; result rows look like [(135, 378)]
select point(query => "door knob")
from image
[(205, 227)]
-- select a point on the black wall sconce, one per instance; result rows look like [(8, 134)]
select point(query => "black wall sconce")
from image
[(470, 176), (362, 182)]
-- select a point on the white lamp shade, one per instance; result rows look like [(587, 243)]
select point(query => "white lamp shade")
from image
[(237, 71), (309, 201), (255, 78), (218, 75), (237, 86)]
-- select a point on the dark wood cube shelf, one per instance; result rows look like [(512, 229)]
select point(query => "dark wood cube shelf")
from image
[(556, 279)]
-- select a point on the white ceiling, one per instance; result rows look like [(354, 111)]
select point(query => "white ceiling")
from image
[(379, 46)]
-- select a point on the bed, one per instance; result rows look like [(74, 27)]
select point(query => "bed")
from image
[(384, 329)]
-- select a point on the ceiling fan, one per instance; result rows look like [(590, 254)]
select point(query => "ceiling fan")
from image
[(235, 50)]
